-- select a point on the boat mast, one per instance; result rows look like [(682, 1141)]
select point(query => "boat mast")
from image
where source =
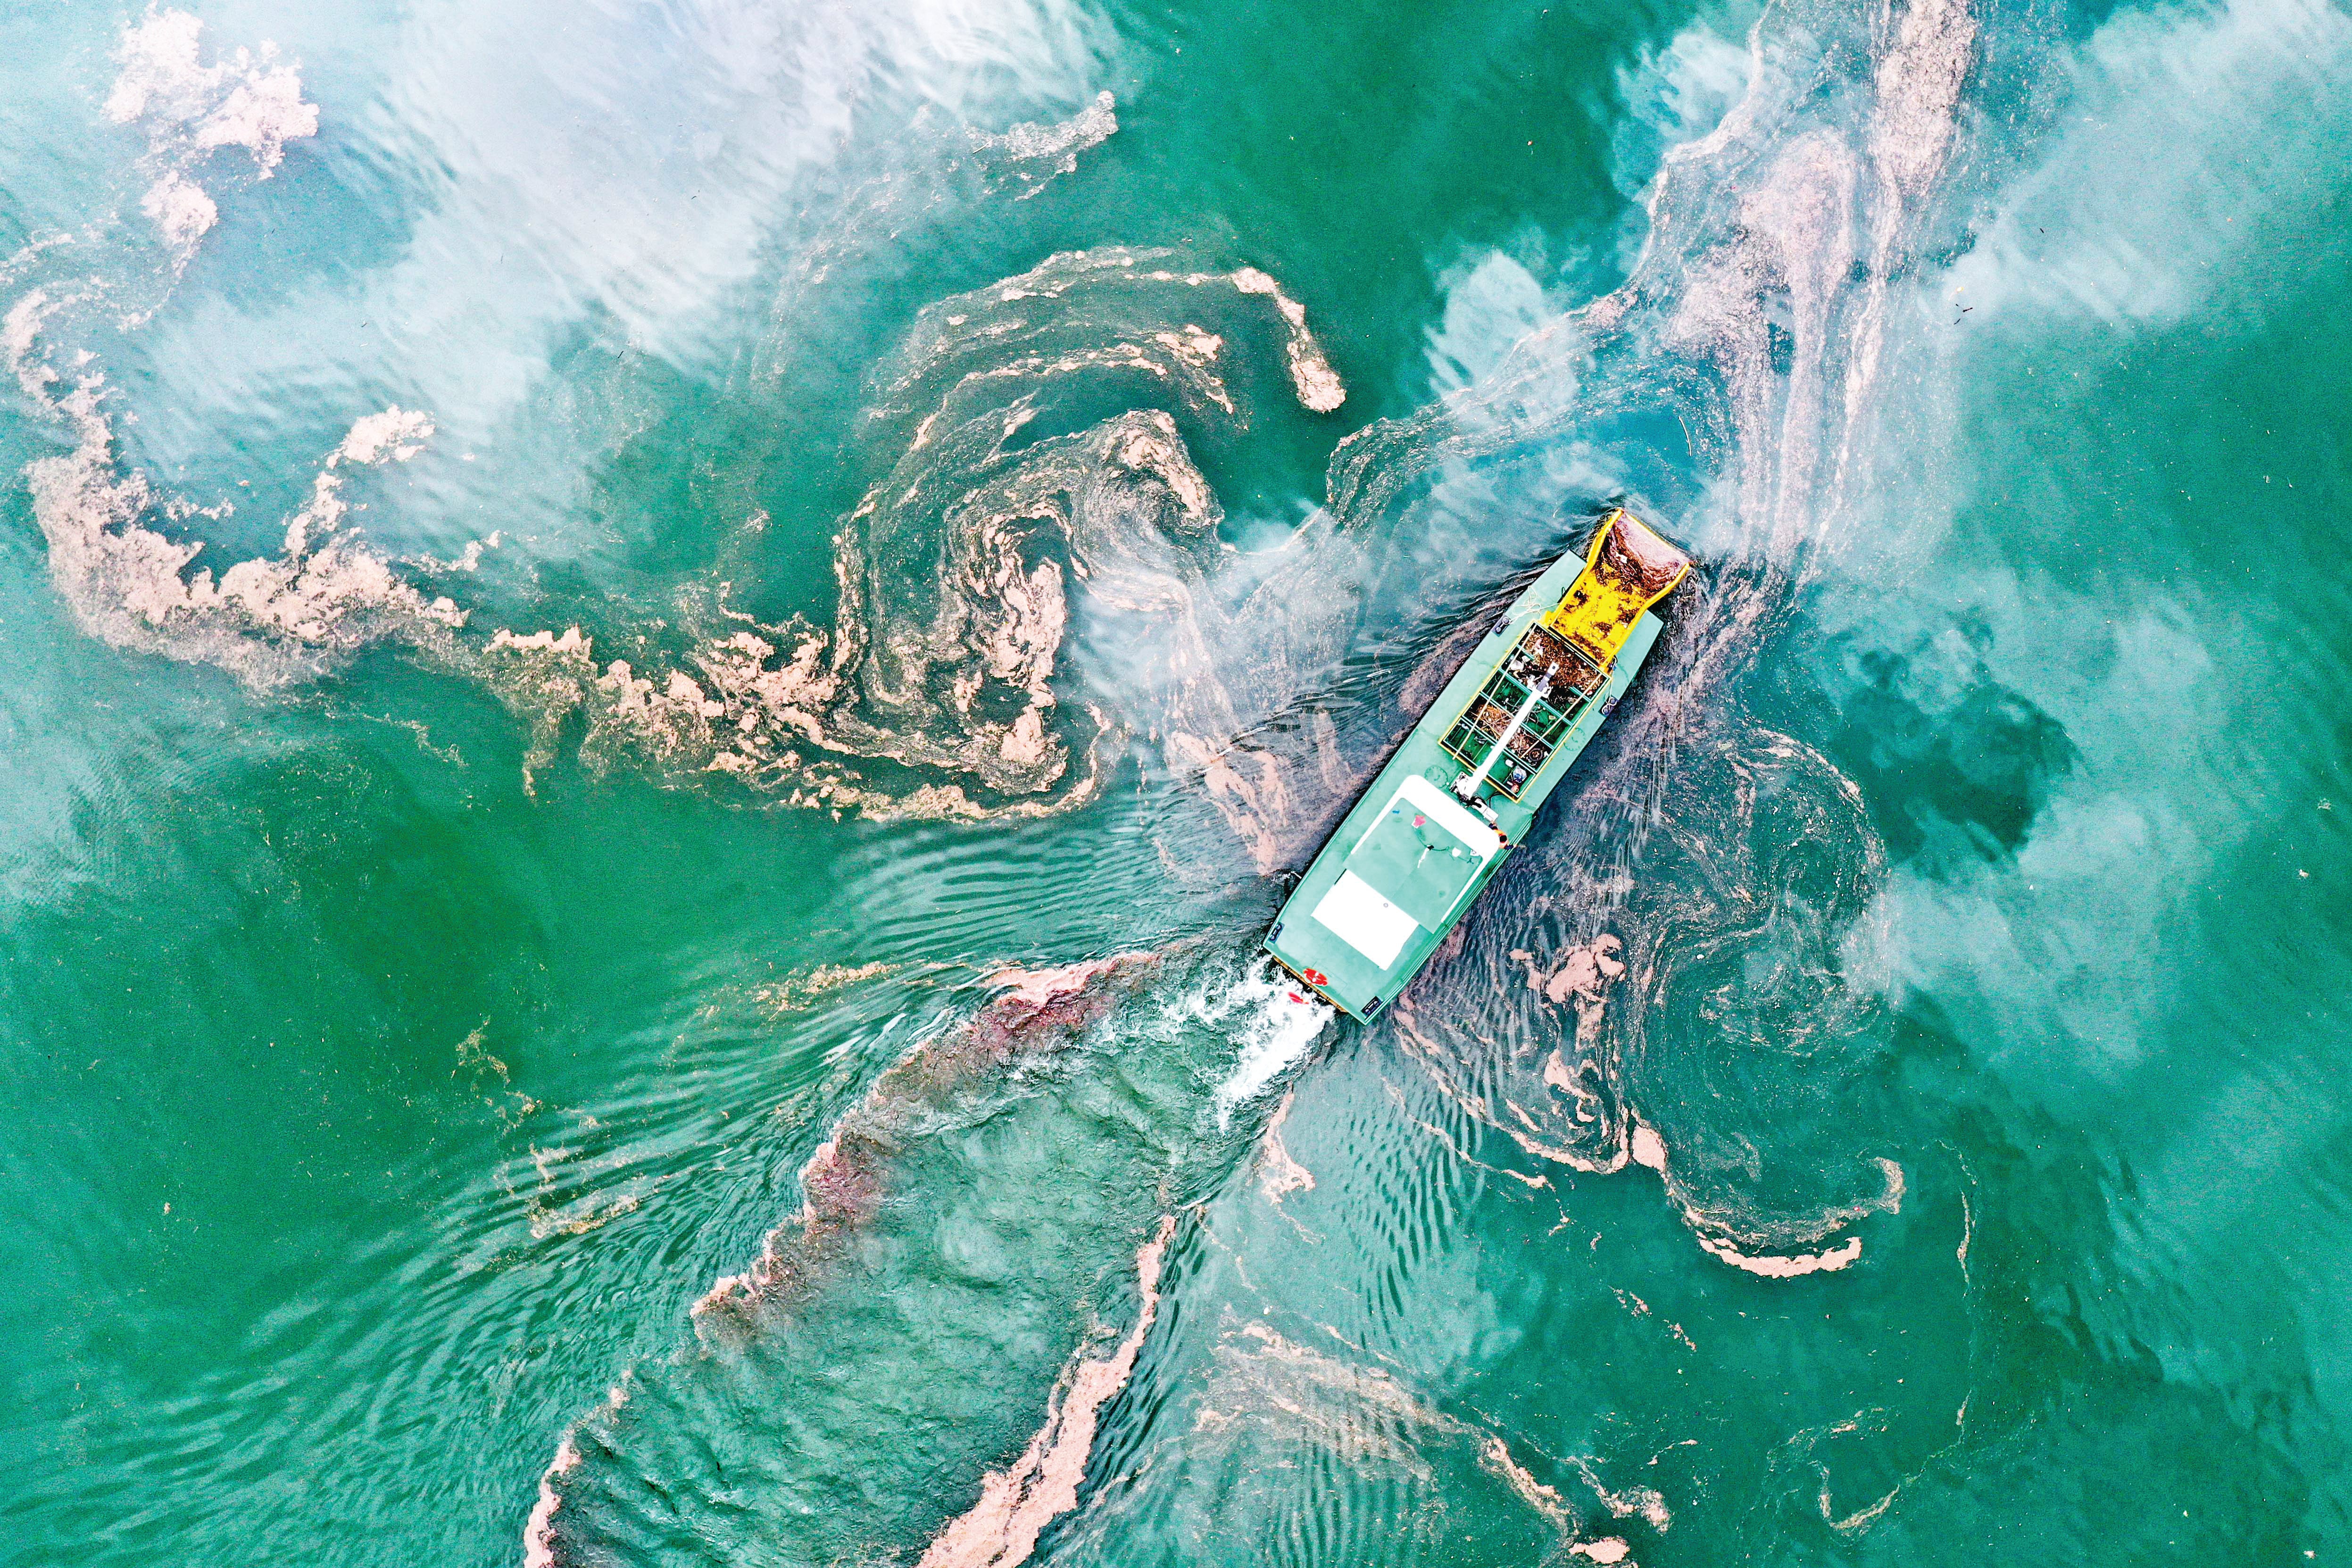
[(1466, 787)]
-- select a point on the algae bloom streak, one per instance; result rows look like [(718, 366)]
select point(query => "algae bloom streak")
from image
[(1060, 782)]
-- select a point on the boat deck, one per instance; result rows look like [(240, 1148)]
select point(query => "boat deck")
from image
[(1574, 680)]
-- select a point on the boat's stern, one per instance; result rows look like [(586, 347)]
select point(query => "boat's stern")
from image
[(1384, 893), (1361, 1004), (1297, 979)]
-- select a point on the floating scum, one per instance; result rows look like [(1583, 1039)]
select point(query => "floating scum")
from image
[(947, 661), (1020, 1173), (1794, 211)]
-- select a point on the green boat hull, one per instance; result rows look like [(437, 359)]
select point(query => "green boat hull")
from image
[(1403, 870)]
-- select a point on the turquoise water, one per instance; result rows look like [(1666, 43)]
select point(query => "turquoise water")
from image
[(664, 659)]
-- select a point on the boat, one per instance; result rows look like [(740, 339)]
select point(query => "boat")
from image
[(1464, 788)]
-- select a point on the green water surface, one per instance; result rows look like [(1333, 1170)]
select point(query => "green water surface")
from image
[(375, 1097)]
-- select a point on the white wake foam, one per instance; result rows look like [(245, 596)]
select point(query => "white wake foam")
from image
[(1274, 1025), (1034, 153)]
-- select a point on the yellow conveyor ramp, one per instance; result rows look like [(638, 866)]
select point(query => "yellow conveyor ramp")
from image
[(1627, 570)]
